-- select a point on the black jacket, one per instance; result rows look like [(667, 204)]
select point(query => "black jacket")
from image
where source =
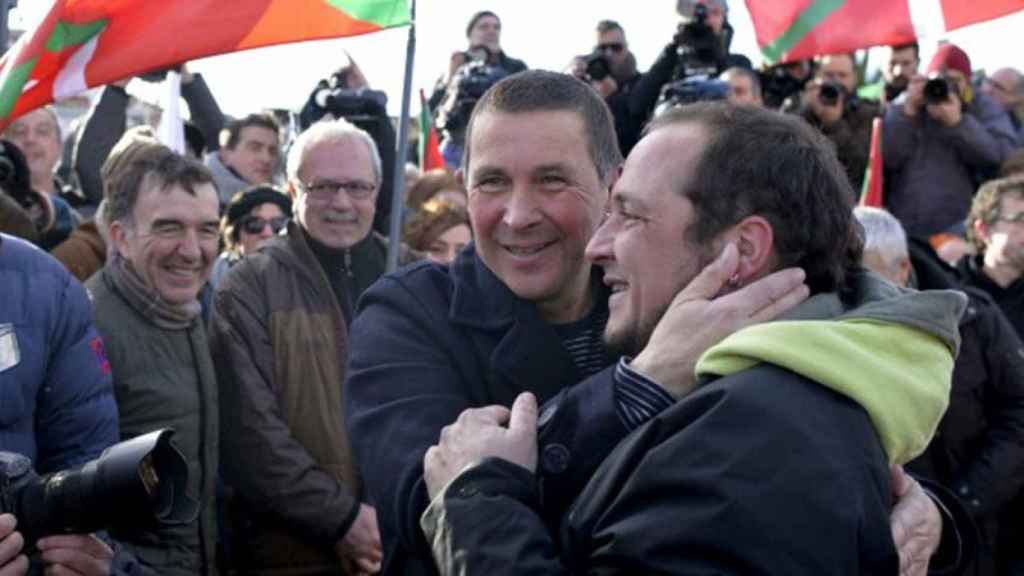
[(429, 342), (1009, 299), (695, 491)]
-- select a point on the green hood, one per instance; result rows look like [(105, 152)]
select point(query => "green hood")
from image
[(891, 352)]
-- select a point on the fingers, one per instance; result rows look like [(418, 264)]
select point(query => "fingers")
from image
[(714, 276), (7, 524), (76, 553), (11, 542), (524, 414), (488, 414), (901, 482), (770, 296), (16, 567), (86, 543)]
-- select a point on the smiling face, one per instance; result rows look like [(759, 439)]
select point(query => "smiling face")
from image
[(37, 135), (535, 199), (269, 214), (171, 239), (643, 245)]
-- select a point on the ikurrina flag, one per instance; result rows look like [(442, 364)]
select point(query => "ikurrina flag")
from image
[(430, 149), (790, 30), (85, 43)]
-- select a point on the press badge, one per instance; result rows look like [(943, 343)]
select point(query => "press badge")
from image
[(10, 354)]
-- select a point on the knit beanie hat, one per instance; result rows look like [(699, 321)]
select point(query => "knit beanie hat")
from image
[(243, 202), (949, 56)]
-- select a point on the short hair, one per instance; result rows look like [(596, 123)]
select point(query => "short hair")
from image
[(543, 91), (761, 162), (605, 26), (142, 164), (476, 18), (912, 45), (429, 184), (754, 77), (327, 130), (883, 234), (259, 119), (986, 204)]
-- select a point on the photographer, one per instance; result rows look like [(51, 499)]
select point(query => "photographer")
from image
[(940, 139), (56, 401), (900, 67), (830, 103), (700, 48)]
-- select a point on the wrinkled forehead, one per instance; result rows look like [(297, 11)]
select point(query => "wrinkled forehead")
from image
[(38, 117)]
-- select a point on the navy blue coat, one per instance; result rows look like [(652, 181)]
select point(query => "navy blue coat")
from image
[(429, 342), (56, 400)]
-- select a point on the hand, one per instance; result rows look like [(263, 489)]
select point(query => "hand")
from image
[(699, 317), (915, 95), (456, 62), (948, 112), (360, 549), (825, 113), (71, 554), (916, 524), (480, 433), (12, 561), (605, 87)]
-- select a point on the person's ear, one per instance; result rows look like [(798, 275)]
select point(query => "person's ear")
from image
[(755, 242), (903, 271), (981, 231), (118, 234)]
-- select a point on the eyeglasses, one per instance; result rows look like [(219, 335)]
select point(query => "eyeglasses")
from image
[(326, 190), (999, 87), (1018, 217), (611, 47), (256, 225)]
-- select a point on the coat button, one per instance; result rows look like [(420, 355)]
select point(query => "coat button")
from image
[(467, 492), (555, 458)]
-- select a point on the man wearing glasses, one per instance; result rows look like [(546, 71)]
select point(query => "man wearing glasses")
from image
[(1006, 87), (279, 342), (618, 85)]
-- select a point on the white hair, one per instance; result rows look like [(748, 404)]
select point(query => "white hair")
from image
[(883, 235), (328, 130)]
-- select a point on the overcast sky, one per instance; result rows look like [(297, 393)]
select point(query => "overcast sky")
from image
[(544, 33)]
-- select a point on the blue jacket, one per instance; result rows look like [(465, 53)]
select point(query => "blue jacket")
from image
[(56, 400), (429, 342)]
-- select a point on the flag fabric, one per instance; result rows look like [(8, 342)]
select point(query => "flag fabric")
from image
[(429, 146), (789, 30), (85, 43), (871, 192)]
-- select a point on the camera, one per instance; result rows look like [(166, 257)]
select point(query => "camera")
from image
[(598, 68), (133, 485), (468, 85), (346, 102), (937, 89), (690, 90), (698, 46), (829, 93)]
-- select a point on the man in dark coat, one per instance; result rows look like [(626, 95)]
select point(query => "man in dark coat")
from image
[(522, 310), (777, 462)]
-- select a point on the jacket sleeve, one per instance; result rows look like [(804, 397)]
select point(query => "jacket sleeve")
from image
[(259, 457), (899, 137), (973, 143), (647, 90), (997, 472), (204, 110), (103, 128), (76, 414), (485, 522)]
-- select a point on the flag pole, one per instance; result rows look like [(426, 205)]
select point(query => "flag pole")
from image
[(398, 187)]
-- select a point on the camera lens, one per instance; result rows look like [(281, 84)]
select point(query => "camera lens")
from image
[(936, 90), (828, 94)]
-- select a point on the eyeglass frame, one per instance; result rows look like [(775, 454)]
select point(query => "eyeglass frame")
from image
[(364, 190), (615, 47), (243, 223)]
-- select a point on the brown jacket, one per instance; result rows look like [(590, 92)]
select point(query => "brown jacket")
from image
[(278, 340), (84, 252)]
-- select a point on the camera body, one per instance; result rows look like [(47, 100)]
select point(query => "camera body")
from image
[(699, 48), (691, 90), (937, 89), (136, 484), (597, 66), (829, 93), (469, 84), (348, 102)]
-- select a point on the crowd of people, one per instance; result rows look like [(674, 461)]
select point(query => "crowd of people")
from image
[(638, 327)]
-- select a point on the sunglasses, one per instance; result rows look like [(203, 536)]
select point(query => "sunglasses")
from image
[(255, 224), (611, 47)]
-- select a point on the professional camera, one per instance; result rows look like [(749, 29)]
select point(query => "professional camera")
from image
[(829, 93), (690, 90), (699, 48), (333, 96), (468, 85), (937, 89), (598, 68), (133, 485)]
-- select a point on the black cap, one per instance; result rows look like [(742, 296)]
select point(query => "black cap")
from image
[(244, 201)]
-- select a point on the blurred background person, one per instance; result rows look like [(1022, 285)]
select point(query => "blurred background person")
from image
[(901, 65), (440, 230), (744, 86), (437, 183), (249, 155), (253, 215), (1006, 87)]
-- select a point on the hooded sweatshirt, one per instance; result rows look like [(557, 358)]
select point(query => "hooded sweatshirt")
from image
[(228, 181), (889, 349)]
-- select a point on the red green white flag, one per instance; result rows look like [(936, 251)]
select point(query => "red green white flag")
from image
[(789, 30), (85, 43), (429, 146), (871, 192)]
